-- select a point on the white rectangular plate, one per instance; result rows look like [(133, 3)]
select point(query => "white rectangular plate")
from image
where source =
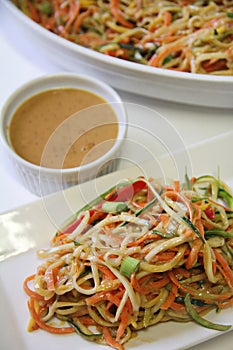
[(30, 227)]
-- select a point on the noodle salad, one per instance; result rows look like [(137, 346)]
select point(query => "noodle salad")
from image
[(140, 254), (184, 35)]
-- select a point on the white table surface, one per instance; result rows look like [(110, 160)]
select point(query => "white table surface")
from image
[(20, 62)]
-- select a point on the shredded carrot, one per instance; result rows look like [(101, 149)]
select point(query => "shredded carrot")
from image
[(214, 66), (106, 271), (88, 321), (110, 341), (176, 184), (171, 297), (124, 318), (79, 21), (192, 258), (51, 277), (30, 292), (157, 59), (136, 286), (228, 273), (220, 205), (74, 14), (182, 272), (226, 304), (156, 285), (96, 298), (176, 196), (165, 218), (46, 327), (167, 18), (33, 12), (164, 256), (116, 12), (149, 236)]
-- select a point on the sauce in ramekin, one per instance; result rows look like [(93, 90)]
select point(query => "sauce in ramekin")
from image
[(63, 128)]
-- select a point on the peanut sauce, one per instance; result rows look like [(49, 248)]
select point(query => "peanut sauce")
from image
[(63, 128)]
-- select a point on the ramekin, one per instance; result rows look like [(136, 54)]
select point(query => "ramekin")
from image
[(42, 180)]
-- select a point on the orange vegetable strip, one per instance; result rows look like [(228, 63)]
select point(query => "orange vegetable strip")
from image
[(141, 240), (197, 213), (177, 306), (138, 287), (79, 313), (30, 292), (165, 256), (200, 228), (207, 225), (167, 18), (220, 205), (50, 276), (139, 205), (211, 66), (156, 285), (96, 298), (173, 278), (182, 272), (191, 291), (197, 244), (74, 14), (124, 317), (165, 218), (226, 304), (110, 341), (157, 59), (116, 12), (79, 21), (41, 324), (176, 184), (176, 196), (228, 273), (33, 12), (106, 271), (87, 321), (171, 297)]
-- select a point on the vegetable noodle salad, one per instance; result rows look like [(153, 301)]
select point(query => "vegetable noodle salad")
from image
[(182, 35), (140, 254)]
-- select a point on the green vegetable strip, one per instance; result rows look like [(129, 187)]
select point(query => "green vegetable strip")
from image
[(224, 194), (211, 179), (200, 320), (193, 228), (187, 181), (147, 206), (114, 207), (129, 266), (218, 232), (92, 337), (173, 214), (94, 202)]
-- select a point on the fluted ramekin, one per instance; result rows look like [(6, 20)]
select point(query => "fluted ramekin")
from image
[(43, 180)]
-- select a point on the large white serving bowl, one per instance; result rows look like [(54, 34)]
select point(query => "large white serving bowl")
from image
[(42, 180), (196, 89)]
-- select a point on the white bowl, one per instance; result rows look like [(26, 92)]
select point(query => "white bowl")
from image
[(195, 89), (42, 180)]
